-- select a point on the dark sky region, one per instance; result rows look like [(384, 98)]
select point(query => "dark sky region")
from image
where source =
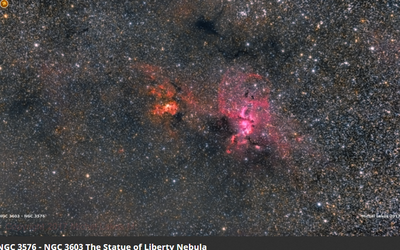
[(200, 118)]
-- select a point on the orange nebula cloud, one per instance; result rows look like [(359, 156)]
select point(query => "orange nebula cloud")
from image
[(170, 108)]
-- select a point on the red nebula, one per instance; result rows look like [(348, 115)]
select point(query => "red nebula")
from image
[(164, 94), (243, 99), (165, 90), (243, 104)]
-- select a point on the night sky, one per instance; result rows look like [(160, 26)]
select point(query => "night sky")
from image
[(200, 118)]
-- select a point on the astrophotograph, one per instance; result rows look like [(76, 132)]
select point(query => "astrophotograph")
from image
[(199, 118)]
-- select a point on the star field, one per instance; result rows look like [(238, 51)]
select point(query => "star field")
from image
[(116, 118)]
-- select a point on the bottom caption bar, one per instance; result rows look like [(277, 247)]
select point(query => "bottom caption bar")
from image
[(193, 243)]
